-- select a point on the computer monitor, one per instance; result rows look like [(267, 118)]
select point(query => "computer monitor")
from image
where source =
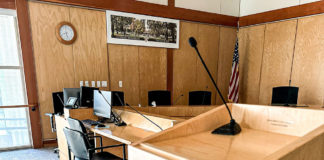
[(86, 96), (71, 92), (58, 103), (100, 106), (284, 96)]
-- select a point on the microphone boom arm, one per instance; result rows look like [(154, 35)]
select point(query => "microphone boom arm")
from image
[(211, 77)]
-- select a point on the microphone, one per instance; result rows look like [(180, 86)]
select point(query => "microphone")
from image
[(117, 119), (178, 98), (231, 128), (137, 111)]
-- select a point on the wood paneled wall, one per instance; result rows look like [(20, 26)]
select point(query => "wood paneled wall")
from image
[(61, 66), (139, 68), (268, 53), (216, 45), (308, 65)]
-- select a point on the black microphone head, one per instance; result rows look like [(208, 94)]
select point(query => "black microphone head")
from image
[(192, 42)]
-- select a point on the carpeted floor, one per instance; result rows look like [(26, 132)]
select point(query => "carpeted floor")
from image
[(29, 154)]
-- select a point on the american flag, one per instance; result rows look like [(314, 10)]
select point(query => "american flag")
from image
[(233, 93)]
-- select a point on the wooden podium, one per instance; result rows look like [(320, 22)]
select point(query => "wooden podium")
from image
[(268, 132)]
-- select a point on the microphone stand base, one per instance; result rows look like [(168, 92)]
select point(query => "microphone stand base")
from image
[(120, 124), (231, 128)]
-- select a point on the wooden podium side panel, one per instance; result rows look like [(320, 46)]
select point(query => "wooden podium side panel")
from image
[(312, 150), (204, 122), (309, 147), (283, 120)]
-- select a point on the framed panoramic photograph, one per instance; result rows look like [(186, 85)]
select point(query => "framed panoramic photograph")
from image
[(141, 30)]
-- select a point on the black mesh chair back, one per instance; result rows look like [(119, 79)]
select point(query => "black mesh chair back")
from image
[(199, 98), (161, 98), (78, 143), (77, 125)]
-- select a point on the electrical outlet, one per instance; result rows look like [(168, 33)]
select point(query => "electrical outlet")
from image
[(104, 84), (86, 83), (81, 83), (120, 84), (98, 84), (93, 83)]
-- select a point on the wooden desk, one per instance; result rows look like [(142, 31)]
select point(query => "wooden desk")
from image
[(137, 128)]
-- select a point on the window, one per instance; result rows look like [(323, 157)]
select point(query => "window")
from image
[(14, 122)]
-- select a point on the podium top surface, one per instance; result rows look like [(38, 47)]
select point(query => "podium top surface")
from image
[(249, 144)]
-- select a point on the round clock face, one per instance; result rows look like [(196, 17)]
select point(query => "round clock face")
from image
[(66, 32)]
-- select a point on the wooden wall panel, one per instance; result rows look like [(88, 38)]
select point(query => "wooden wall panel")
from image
[(90, 48), (308, 65), (251, 42), (53, 60), (208, 45), (226, 51), (152, 71), (124, 66), (184, 64), (277, 57)]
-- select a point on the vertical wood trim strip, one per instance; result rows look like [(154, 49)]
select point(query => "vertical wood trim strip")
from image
[(29, 70), (170, 72), (171, 3)]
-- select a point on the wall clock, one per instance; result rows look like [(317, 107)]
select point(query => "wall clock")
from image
[(66, 33)]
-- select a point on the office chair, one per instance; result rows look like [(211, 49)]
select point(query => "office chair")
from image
[(199, 98), (79, 145), (77, 125), (160, 97)]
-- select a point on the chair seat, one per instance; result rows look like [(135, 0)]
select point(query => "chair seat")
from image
[(105, 156)]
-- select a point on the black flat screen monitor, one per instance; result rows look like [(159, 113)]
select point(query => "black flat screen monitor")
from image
[(284, 96), (86, 96), (71, 92), (100, 106), (58, 103)]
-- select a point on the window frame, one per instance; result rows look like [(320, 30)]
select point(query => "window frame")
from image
[(13, 13)]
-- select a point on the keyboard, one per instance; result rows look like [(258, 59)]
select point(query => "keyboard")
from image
[(90, 122)]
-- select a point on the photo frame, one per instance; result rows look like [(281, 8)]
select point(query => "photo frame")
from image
[(142, 30)]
